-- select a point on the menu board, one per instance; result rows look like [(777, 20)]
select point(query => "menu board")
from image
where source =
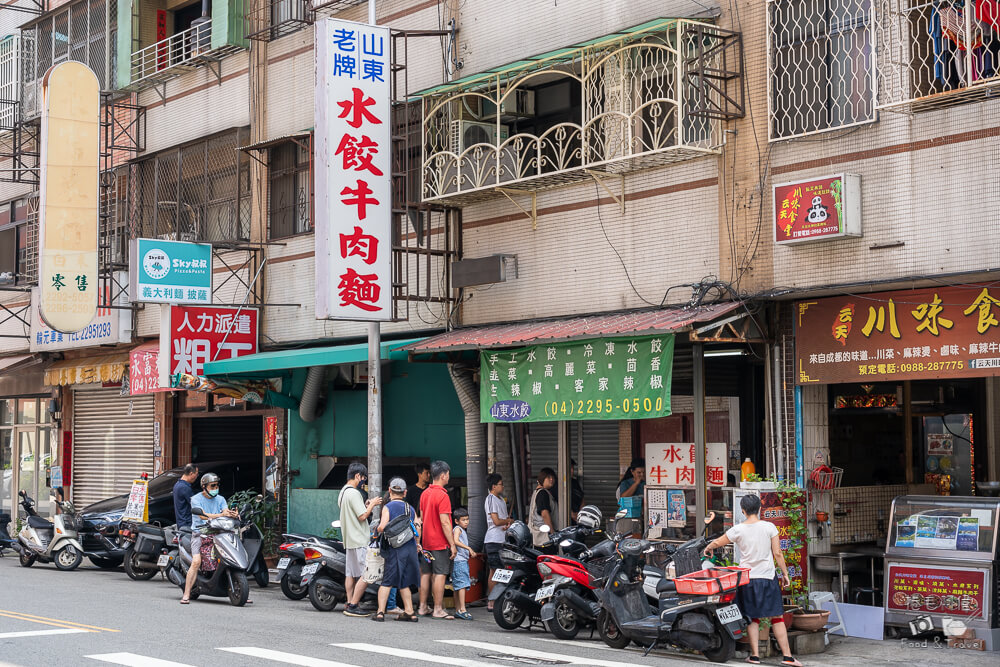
[(935, 589), (950, 533)]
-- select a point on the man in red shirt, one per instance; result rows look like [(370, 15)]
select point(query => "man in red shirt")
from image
[(437, 539)]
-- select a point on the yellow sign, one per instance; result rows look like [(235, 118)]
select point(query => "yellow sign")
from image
[(68, 208), (137, 508)]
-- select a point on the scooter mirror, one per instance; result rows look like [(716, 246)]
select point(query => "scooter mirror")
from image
[(710, 518), (566, 543), (259, 498), (648, 551), (544, 528), (336, 524)]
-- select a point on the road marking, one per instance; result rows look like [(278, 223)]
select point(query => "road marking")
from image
[(583, 643), (412, 655), (530, 653), (31, 620), (281, 656), (134, 660), (39, 633), (42, 619)]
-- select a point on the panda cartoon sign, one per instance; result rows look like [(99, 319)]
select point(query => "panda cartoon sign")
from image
[(819, 209)]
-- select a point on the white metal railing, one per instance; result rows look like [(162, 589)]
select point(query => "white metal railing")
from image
[(633, 113), (10, 81), (179, 51)]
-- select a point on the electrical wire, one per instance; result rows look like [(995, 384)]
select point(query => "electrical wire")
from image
[(600, 219)]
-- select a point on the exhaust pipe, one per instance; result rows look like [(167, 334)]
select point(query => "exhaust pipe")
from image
[(582, 608), (524, 602)]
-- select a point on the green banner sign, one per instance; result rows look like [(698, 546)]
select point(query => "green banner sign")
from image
[(602, 378)]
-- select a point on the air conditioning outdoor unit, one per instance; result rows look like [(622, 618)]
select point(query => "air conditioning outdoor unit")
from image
[(520, 103), (466, 133)]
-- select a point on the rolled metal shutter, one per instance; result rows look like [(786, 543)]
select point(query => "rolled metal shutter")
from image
[(112, 443)]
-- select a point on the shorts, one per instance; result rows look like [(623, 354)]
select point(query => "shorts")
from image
[(196, 543), (355, 566), (460, 575), (440, 563), (493, 555)]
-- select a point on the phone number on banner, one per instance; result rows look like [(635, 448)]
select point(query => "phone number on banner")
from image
[(96, 330), (606, 406)]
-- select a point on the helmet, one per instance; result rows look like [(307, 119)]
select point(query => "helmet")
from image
[(518, 534), (589, 517), (209, 478)]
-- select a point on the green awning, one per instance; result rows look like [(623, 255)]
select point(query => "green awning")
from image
[(281, 360)]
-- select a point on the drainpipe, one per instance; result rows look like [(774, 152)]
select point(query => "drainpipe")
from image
[(475, 454), (311, 392)]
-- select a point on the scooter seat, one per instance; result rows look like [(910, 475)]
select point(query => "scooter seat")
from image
[(38, 522), (333, 544), (666, 586)]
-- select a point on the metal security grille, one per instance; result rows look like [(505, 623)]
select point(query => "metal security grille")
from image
[(271, 19), (10, 93), (112, 443), (937, 53), (820, 74), (196, 192), (84, 31)]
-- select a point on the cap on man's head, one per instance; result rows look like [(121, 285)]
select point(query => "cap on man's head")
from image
[(398, 485)]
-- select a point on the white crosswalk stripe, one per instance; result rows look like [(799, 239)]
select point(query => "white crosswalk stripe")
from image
[(412, 655), (41, 633), (134, 660), (281, 656), (538, 655), (579, 643)]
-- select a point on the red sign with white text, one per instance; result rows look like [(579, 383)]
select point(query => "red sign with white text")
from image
[(941, 590), (143, 373), (819, 209), (191, 336)]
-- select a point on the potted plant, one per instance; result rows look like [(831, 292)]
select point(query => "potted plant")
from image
[(264, 520), (803, 615)]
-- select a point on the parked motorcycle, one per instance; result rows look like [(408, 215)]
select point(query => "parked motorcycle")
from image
[(6, 541), (291, 559), (253, 541), (99, 538), (324, 575), (142, 544), (710, 622), (49, 541), (223, 574)]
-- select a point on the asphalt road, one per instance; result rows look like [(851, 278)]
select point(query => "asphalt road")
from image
[(91, 616)]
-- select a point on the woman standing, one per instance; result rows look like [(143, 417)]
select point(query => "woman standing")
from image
[(402, 569), (760, 549)]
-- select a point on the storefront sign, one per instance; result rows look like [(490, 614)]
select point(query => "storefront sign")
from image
[(353, 151), (271, 483), (190, 336), (143, 370), (170, 271), (940, 444), (672, 464), (925, 334), (68, 197), (137, 507), (107, 328), (602, 378), (794, 548), (816, 210), (934, 589)]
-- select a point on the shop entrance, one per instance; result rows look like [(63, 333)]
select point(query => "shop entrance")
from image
[(231, 439)]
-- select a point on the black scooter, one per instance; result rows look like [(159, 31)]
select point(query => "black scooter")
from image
[(143, 543), (291, 560), (6, 541), (710, 624)]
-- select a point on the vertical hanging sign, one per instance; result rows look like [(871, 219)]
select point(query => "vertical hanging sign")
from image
[(68, 207), (353, 171)]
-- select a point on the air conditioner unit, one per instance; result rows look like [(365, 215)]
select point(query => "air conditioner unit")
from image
[(466, 133), (520, 103)]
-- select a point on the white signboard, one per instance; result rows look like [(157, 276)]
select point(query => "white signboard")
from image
[(137, 507), (110, 326), (353, 171), (672, 464)]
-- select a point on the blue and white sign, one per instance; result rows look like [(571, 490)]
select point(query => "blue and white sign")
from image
[(171, 271)]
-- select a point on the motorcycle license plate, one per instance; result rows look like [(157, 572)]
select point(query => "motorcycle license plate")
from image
[(729, 614), (503, 576), (283, 563), (163, 560), (310, 569), (545, 592)]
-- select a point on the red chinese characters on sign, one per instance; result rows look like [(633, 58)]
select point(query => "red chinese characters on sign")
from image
[(941, 590), (143, 371), (270, 436), (191, 336), (673, 464), (772, 510), (818, 209), (161, 35)]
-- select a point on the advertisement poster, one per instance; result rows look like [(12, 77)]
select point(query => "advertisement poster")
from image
[(171, 271), (606, 378), (772, 510), (191, 336), (137, 507), (936, 532), (940, 444), (819, 209), (934, 589), (271, 483), (676, 509), (968, 534), (905, 535), (656, 498)]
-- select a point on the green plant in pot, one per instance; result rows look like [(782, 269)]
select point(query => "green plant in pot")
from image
[(265, 520), (804, 617)]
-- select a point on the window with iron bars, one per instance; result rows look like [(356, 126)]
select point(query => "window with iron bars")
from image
[(84, 31), (290, 190), (196, 192), (18, 241), (820, 73)]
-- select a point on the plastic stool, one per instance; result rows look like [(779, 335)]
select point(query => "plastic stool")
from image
[(817, 598), (868, 590)]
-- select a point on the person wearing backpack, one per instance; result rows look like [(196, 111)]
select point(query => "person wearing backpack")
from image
[(398, 537)]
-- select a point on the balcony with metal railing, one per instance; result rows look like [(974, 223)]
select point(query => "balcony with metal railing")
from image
[(645, 96), (171, 57), (267, 20)]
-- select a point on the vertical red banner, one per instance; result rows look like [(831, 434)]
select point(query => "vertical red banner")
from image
[(161, 34), (772, 510)]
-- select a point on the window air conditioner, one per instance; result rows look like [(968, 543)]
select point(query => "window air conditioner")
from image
[(466, 133), (520, 103)]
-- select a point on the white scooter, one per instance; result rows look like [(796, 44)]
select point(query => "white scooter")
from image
[(49, 541)]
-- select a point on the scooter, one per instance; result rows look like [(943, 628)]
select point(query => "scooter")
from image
[(49, 541), (325, 572), (292, 559), (143, 543), (709, 623), (223, 573), (6, 541), (253, 541)]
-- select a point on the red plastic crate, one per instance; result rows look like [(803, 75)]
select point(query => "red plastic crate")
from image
[(712, 581)]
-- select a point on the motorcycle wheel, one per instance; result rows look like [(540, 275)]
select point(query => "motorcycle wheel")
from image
[(726, 649), (239, 588), (292, 591), (565, 624), (134, 569), (507, 615), (67, 558), (262, 577), (609, 631), (26, 559), (321, 594), (105, 563)]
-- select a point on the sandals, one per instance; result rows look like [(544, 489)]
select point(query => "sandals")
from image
[(379, 617), (185, 601), (464, 615), (753, 660), (790, 660), (408, 618)]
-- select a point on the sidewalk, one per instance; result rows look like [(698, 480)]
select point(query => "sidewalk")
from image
[(854, 651)]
